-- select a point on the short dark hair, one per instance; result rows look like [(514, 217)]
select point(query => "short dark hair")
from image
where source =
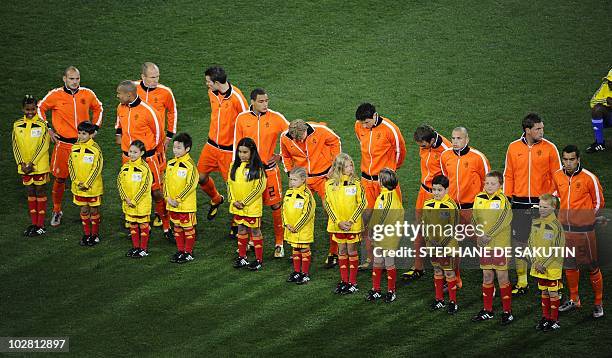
[(571, 148), (28, 99), (530, 120), (440, 180), (365, 111), (257, 92), (184, 138), (87, 126), (496, 174), (216, 74), (424, 132), (138, 144), (388, 178)]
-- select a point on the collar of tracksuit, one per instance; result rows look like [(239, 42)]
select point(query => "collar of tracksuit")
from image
[(576, 172), (463, 151), (438, 141), (135, 102), (71, 92), (147, 89), (255, 114), (524, 140), (227, 94)]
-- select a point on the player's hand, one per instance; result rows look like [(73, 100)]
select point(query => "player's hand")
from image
[(54, 136), (238, 205), (540, 268), (601, 220), (275, 158), (118, 139), (167, 143)]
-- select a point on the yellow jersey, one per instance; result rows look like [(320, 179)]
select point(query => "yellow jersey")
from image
[(545, 233), (31, 144), (440, 218), (344, 202), (134, 182), (494, 213), (388, 210), (180, 184), (603, 92), (248, 192), (85, 166), (299, 211)]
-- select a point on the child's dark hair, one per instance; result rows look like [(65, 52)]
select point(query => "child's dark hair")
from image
[(185, 139), (440, 180), (138, 144), (28, 99), (496, 174), (388, 178), (87, 126), (255, 164)]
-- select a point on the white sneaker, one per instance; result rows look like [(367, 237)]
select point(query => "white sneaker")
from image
[(598, 311), (56, 218), (569, 305)]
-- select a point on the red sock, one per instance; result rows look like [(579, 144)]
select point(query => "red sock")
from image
[(597, 284), (209, 188), (297, 260), (506, 297), (439, 285), (57, 193), (376, 276), (333, 246), (452, 289), (391, 275), (353, 268), (160, 209), (86, 224), (306, 262), (545, 306), (41, 206), (189, 239), (487, 296), (179, 237), (243, 241), (95, 223), (145, 232), (134, 232), (32, 209), (573, 279), (343, 265), (258, 243), (554, 308), (277, 222)]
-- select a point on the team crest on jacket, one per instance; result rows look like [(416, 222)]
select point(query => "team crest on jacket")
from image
[(578, 185), (539, 153), (155, 100), (136, 117), (82, 100), (378, 136), (466, 164), (267, 124)]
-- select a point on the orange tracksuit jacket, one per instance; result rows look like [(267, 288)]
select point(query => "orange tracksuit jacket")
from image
[(430, 161), (382, 146), (465, 170), (581, 198), (264, 129), (161, 99), (224, 108), (69, 108), (529, 170), (137, 120), (316, 154)]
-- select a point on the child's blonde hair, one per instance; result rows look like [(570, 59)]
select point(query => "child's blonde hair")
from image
[(337, 169), (300, 172), (550, 199)]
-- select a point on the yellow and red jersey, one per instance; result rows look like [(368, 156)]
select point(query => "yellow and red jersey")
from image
[(494, 213), (248, 192), (465, 170), (382, 146), (344, 201), (137, 120), (85, 167), (224, 108), (134, 182), (440, 214), (68, 109), (299, 211), (161, 99), (545, 233), (316, 153), (430, 161), (264, 128), (529, 170), (581, 198), (603, 92), (31, 144), (180, 184)]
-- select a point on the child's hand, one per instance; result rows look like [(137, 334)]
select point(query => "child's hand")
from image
[(82, 186), (483, 240), (130, 203), (291, 228), (238, 205), (173, 203), (345, 225), (540, 268), (601, 220)]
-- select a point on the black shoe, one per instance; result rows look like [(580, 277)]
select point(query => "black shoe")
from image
[(185, 257), (241, 262), (131, 252), (84, 240), (542, 324), (38, 231), (519, 290), (169, 236), (29, 229), (390, 297), (331, 261), (341, 287), (293, 277), (176, 257), (233, 234), (214, 209), (304, 279), (437, 304), (452, 307), (413, 274), (255, 265), (373, 296), (350, 289), (552, 326), (596, 147), (140, 254), (483, 315), (93, 240), (507, 318)]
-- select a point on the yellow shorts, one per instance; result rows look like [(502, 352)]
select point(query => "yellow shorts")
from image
[(299, 246), (346, 238), (87, 201), (183, 219), (443, 263), (137, 219), (253, 223)]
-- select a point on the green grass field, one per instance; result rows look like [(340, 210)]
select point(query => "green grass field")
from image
[(481, 64)]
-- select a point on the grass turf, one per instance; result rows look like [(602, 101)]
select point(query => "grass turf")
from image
[(482, 64)]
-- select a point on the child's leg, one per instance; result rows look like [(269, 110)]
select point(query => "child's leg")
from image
[(305, 260), (145, 231), (488, 288), (190, 235), (179, 237), (439, 283), (258, 243), (135, 234), (391, 273), (545, 304), (243, 240), (32, 204), (377, 269), (451, 279), (505, 289), (343, 262), (297, 260), (353, 257), (85, 221), (41, 204), (94, 217), (554, 305)]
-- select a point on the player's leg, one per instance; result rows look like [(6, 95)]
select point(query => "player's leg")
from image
[(372, 190), (521, 227), (505, 289), (272, 197), (207, 163), (258, 246), (417, 271), (599, 116), (572, 272), (391, 278), (59, 168)]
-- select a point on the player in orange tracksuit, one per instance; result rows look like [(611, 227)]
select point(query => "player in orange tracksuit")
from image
[(382, 146), (531, 162), (312, 146), (136, 120), (431, 145), (582, 200), (265, 126), (226, 103), (69, 106), (161, 99)]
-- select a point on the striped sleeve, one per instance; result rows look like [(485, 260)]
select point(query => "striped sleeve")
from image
[(361, 203), (257, 190), (328, 207), (122, 194), (307, 214), (16, 151), (42, 143), (503, 220), (191, 184), (598, 98), (96, 169), (557, 242), (71, 168), (145, 185)]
